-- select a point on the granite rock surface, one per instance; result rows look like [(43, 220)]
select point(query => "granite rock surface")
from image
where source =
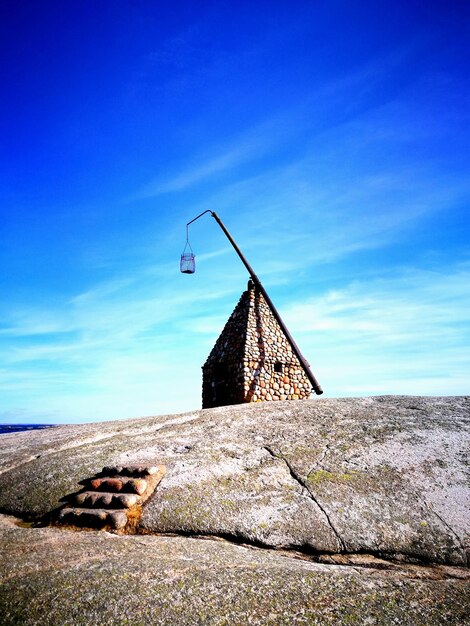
[(308, 512), (60, 577)]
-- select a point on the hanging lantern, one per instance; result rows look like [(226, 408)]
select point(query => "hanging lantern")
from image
[(187, 262)]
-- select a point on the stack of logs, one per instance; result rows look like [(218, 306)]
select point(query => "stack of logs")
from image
[(112, 499)]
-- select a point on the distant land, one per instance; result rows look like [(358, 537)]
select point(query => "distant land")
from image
[(5, 429)]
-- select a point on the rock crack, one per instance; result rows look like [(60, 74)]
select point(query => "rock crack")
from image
[(298, 479)]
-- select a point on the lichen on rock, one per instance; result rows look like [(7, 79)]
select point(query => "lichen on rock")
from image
[(334, 481)]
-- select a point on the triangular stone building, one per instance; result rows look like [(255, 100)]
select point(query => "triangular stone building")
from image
[(252, 359)]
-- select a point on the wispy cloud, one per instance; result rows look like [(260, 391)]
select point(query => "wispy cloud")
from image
[(346, 94), (251, 145), (196, 173), (390, 335), (360, 163), (125, 356)]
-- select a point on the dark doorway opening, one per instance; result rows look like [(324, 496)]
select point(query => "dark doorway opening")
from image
[(220, 385)]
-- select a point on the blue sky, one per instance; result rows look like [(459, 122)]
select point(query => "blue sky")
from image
[(331, 137)]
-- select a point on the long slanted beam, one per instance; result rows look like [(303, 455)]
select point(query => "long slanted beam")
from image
[(315, 385)]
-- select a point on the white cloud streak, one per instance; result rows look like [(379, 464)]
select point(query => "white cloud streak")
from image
[(407, 334), (121, 347)]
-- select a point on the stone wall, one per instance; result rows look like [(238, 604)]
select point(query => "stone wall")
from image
[(271, 369), (223, 372), (252, 360)]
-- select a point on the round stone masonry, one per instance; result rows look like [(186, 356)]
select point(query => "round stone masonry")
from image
[(252, 360), (113, 499)]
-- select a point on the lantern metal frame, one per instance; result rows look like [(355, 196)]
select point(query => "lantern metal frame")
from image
[(188, 258)]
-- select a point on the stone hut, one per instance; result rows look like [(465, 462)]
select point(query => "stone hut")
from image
[(252, 360)]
